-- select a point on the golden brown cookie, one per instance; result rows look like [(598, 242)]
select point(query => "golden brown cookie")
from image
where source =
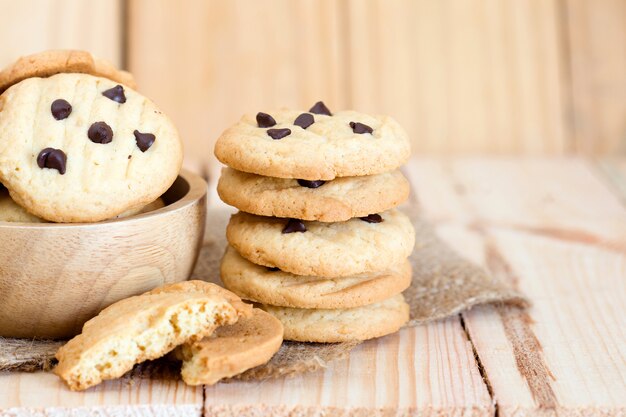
[(268, 286), (141, 328), (332, 326), (314, 145), (231, 350), (332, 201), (88, 149), (48, 63), (340, 249)]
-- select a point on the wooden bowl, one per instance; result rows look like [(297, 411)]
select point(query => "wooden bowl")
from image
[(54, 277)]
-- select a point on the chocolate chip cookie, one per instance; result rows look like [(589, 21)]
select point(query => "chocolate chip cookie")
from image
[(371, 243), (328, 201), (332, 326), (273, 286), (48, 63), (314, 145), (80, 148)]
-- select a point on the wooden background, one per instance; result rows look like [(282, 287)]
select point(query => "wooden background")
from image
[(463, 76)]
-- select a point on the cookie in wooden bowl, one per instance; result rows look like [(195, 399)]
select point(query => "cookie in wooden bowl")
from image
[(76, 148), (47, 63)]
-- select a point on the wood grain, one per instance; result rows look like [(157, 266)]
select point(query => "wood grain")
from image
[(30, 26), (597, 55), (552, 227), (614, 170), (43, 394), (461, 75), (453, 73), (554, 230), (427, 371)]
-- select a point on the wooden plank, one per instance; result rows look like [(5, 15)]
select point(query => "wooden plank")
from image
[(475, 75), (552, 228), (426, 371), (29, 26), (472, 75), (208, 63), (43, 394), (614, 169), (595, 34), (480, 75), (557, 199)]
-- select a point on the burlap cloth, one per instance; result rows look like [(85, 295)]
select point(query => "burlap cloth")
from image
[(443, 284)]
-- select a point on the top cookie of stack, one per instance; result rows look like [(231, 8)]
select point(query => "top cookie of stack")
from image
[(314, 145), (318, 240), (78, 143)]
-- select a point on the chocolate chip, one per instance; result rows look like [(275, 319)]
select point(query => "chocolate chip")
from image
[(372, 218), (144, 140), (60, 109), (100, 132), (360, 128), (274, 269), (311, 184), (278, 133), (116, 94), (304, 120), (53, 159), (320, 108), (265, 120), (294, 225)]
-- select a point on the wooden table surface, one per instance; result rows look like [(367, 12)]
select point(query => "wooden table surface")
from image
[(555, 228)]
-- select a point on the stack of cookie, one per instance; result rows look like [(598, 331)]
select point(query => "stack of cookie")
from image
[(318, 241), (78, 144)]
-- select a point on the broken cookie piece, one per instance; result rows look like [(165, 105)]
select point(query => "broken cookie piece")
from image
[(145, 327), (231, 350)]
